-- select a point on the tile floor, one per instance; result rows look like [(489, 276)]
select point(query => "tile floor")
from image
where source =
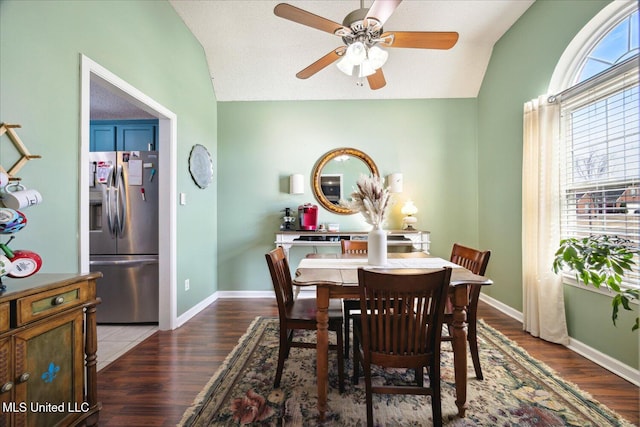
[(115, 340)]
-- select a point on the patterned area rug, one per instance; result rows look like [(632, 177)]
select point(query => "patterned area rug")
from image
[(517, 390)]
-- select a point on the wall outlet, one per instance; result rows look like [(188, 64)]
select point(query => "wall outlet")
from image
[(186, 284)]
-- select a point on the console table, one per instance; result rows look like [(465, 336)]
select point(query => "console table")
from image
[(48, 346), (417, 239)]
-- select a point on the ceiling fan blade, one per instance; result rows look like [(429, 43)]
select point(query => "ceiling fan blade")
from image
[(381, 10), (295, 14), (321, 63), (377, 81), (420, 39)]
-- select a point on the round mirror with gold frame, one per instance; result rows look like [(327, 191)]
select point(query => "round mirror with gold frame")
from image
[(336, 173)]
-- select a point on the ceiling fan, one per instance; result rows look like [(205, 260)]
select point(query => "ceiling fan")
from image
[(363, 35)]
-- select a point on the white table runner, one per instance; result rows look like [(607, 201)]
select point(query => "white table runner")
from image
[(354, 263)]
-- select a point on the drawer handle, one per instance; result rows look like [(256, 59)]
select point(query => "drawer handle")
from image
[(24, 377), (6, 387), (58, 300)]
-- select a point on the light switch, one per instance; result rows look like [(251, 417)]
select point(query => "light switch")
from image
[(183, 198)]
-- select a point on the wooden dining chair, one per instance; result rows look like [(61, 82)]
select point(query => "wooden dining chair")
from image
[(359, 247), (400, 326), (476, 261), (299, 314), (354, 246)]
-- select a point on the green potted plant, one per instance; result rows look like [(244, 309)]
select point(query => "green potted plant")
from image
[(598, 260)]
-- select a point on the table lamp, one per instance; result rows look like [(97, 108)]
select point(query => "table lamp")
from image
[(409, 209)]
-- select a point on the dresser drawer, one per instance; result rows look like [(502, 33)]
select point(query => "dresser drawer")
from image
[(4, 317), (34, 307)]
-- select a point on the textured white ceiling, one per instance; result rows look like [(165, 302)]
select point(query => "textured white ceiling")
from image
[(107, 105), (255, 55)]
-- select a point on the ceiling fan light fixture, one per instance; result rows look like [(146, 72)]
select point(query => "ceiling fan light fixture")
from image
[(356, 52), (377, 57), (366, 69), (346, 65)]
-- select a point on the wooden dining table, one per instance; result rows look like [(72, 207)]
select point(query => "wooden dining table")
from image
[(336, 276)]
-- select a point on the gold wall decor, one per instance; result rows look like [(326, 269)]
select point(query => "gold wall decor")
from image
[(25, 155)]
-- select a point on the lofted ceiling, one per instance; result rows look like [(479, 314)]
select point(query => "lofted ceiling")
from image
[(106, 104), (254, 55)]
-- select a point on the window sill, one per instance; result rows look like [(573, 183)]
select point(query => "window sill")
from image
[(602, 290)]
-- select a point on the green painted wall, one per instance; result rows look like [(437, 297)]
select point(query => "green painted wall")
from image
[(461, 159), (146, 44), (432, 142), (520, 69)]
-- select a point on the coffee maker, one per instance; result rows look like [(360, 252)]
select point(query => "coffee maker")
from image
[(288, 220), (308, 217)]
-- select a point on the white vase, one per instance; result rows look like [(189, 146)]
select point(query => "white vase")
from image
[(377, 247)]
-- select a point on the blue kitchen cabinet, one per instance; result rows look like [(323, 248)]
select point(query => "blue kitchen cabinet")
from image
[(124, 135), (103, 137), (137, 137)]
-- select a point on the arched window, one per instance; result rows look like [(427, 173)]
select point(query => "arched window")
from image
[(616, 46), (600, 131)]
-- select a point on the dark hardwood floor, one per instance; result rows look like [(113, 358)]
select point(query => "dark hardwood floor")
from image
[(154, 383)]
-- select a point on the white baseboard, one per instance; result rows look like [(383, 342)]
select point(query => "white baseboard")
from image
[(186, 316), (514, 314), (620, 369), (609, 363), (246, 294)]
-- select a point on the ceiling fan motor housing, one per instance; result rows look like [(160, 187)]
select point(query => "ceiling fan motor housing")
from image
[(365, 31)]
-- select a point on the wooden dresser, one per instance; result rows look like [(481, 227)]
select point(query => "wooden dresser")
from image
[(48, 345)]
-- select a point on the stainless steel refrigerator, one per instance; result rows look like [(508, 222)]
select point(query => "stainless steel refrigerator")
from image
[(123, 234)]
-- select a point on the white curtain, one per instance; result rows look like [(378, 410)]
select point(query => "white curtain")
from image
[(543, 298)]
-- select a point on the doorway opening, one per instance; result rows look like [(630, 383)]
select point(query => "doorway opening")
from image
[(92, 72)]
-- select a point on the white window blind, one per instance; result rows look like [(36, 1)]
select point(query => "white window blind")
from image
[(600, 158)]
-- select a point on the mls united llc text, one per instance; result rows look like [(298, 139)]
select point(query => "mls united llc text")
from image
[(34, 407)]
